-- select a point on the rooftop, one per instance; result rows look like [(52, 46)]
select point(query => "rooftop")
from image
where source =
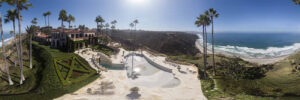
[(70, 31)]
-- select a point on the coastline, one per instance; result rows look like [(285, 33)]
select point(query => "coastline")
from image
[(259, 61), (7, 41)]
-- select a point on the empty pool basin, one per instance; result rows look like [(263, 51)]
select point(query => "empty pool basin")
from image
[(148, 73)]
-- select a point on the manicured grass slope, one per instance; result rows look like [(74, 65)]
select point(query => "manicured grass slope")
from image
[(48, 85), (279, 82)]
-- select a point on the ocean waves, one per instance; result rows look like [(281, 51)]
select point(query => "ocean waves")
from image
[(6, 41), (269, 52)]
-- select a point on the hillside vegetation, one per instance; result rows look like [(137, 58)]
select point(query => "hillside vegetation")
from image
[(241, 80), (170, 43)]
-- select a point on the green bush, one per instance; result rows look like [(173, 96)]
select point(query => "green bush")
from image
[(48, 83), (234, 69)]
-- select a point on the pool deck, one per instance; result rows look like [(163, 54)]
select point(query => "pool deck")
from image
[(119, 84)]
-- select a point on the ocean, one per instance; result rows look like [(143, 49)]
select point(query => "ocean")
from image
[(255, 45), (7, 38)]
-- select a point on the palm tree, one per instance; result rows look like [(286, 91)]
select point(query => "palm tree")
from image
[(297, 2), (106, 27), (45, 15), (70, 19), (207, 22), (131, 26), (3, 51), (20, 5), (63, 17), (203, 21), (11, 16), (100, 20), (135, 22), (212, 14), (30, 31), (113, 24), (34, 21), (48, 14)]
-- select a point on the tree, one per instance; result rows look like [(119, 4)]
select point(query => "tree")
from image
[(113, 24), (3, 50), (131, 26), (70, 19), (297, 2), (135, 89), (63, 17), (203, 21), (82, 27), (106, 27), (100, 20), (48, 14), (45, 15), (20, 5), (135, 22), (212, 14), (134, 93), (11, 16), (34, 21), (30, 31)]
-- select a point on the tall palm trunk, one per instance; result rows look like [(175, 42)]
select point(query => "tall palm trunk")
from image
[(205, 44), (101, 27), (204, 53), (132, 54), (21, 51), (69, 25), (97, 29), (134, 36), (3, 52), (213, 46), (16, 42), (30, 51), (48, 21), (62, 24), (45, 21)]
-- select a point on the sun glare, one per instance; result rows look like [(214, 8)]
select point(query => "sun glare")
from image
[(138, 1)]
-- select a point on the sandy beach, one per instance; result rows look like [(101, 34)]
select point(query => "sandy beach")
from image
[(253, 60)]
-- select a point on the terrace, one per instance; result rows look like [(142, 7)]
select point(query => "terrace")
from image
[(154, 81)]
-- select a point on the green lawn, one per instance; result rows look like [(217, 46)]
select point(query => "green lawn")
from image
[(278, 83), (42, 82)]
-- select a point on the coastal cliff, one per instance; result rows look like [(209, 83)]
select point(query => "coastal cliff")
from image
[(170, 43)]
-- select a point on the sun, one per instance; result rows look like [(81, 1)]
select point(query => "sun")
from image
[(138, 1)]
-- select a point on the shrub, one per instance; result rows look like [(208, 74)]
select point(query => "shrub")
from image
[(134, 89), (232, 68)]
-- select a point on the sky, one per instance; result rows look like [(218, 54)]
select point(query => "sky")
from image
[(170, 15)]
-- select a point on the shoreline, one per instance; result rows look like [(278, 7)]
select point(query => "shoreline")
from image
[(7, 41), (259, 61)]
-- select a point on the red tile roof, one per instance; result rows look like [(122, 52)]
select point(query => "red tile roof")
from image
[(72, 30), (43, 35)]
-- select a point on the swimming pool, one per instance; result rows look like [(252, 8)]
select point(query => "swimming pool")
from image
[(149, 73)]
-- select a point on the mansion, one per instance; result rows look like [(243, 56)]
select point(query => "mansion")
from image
[(67, 38), (59, 38)]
